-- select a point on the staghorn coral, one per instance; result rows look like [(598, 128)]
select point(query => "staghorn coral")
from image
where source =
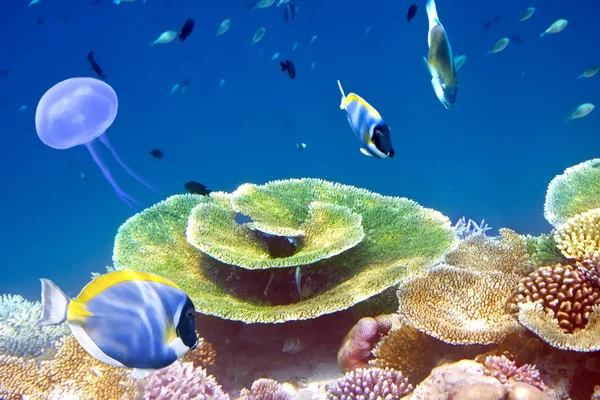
[(265, 389), (579, 237), (182, 381), (573, 192), (542, 250), (559, 304), (506, 371), (19, 334), (459, 306), (464, 228), (356, 347), (369, 383), (73, 373), (204, 355), (401, 238)]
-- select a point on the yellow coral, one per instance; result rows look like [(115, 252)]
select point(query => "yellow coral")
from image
[(20, 378), (579, 237), (459, 306)]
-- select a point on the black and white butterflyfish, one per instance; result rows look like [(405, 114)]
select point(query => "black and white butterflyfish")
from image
[(368, 126)]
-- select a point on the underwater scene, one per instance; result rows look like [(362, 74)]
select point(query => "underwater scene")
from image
[(300, 199)]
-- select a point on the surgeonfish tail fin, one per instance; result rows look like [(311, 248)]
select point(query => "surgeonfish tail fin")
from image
[(342, 104), (54, 304)]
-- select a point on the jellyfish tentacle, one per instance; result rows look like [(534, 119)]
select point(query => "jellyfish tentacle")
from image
[(125, 198), (104, 139)]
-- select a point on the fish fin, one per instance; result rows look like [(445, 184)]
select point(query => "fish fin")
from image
[(459, 61), (169, 332), (432, 13), (543, 34), (343, 103), (54, 304), (427, 65), (77, 312), (365, 152), (140, 373), (91, 347), (284, 66)]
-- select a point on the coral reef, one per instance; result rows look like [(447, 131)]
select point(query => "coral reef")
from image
[(573, 192), (542, 250), (371, 243), (266, 389), (506, 371), (19, 334), (560, 305), (369, 383), (579, 237), (355, 351), (181, 381), (202, 356), (465, 229)]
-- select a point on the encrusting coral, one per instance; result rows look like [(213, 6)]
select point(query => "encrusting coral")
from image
[(266, 389), (347, 245), (369, 383), (355, 351), (573, 192), (19, 334), (559, 304)]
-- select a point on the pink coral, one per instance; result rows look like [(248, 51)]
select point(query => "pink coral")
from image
[(265, 389), (182, 381), (355, 351), (506, 371), (369, 383)]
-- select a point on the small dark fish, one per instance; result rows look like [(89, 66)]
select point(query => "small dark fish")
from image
[(95, 66), (187, 29), (412, 11), (96, 2), (39, 21), (517, 40), (156, 153), (289, 67), (289, 12), (196, 188), (488, 24), (4, 72)]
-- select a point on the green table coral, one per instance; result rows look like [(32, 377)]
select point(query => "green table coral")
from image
[(349, 244), (575, 191)]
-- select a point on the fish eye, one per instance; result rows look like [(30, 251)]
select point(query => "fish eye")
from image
[(189, 313)]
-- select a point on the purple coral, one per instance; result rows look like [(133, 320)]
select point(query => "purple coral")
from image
[(181, 381), (366, 383), (506, 371), (265, 389)]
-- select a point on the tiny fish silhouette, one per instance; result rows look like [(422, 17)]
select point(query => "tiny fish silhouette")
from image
[(156, 153), (516, 39), (4, 72), (186, 30), (95, 66), (196, 188), (288, 67), (412, 11), (289, 12)]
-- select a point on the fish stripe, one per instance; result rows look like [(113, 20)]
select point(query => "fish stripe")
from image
[(104, 282), (354, 97)]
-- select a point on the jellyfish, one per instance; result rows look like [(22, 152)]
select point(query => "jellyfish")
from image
[(77, 111)]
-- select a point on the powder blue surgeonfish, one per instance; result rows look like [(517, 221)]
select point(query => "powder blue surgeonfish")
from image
[(127, 319), (439, 60), (367, 124)]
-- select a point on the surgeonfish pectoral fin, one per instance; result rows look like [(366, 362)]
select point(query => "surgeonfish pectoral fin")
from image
[(139, 373), (54, 304), (343, 103), (365, 152), (169, 332)]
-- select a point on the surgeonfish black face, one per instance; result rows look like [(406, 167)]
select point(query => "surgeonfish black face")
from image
[(383, 140), (186, 328)]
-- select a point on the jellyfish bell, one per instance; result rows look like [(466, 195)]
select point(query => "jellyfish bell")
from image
[(77, 111)]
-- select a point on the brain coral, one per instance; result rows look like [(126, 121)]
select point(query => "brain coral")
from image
[(573, 192), (349, 243)]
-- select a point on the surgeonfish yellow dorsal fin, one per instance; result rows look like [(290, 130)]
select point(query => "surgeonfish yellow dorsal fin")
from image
[(77, 313)]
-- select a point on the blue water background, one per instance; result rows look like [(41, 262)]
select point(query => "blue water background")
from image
[(491, 156)]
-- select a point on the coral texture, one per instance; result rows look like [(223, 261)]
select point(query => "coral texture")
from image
[(400, 238), (506, 371), (182, 381), (265, 389), (202, 356), (369, 383), (19, 334), (355, 351), (579, 237), (542, 250)]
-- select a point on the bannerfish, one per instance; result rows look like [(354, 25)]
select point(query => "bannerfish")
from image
[(288, 67), (95, 66), (196, 188), (186, 29), (368, 126), (127, 319), (156, 153), (289, 12), (412, 11), (439, 60)]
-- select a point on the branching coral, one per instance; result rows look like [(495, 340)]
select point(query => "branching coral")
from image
[(355, 351), (400, 238), (182, 381), (19, 333), (369, 383), (579, 237), (459, 306), (560, 305), (266, 389), (506, 371), (542, 250), (573, 192)]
